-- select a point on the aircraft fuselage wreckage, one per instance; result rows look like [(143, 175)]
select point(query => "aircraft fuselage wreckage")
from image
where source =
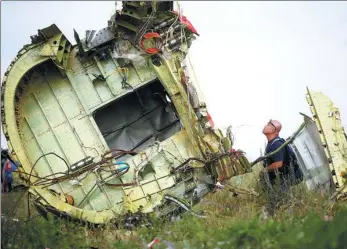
[(113, 125)]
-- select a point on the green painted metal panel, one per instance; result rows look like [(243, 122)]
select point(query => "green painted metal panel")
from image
[(69, 142), (35, 118), (87, 135), (87, 91), (102, 87), (47, 103), (65, 95)]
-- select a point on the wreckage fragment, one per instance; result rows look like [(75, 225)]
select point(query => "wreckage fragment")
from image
[(333, 136), (113, 125)]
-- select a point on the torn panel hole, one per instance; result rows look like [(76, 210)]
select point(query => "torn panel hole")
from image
[(146, 170), (139, 119)]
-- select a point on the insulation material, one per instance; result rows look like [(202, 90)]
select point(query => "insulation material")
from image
[(193, 95), (137, 120), (137, 59)]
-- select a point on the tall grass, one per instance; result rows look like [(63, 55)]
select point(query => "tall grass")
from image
[(233, 221)]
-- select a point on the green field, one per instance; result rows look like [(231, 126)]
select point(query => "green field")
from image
[(306, 220)]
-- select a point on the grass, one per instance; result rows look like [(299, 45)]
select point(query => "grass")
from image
[(232, 222)]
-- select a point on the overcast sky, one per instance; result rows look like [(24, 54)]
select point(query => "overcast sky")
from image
[(253, 59)]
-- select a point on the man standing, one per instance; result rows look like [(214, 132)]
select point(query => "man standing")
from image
[(7, 167), (275, 175)]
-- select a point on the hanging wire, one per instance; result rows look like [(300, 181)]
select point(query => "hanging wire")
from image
[(46, 154), (144, 27), (178, 15), (206, 165)]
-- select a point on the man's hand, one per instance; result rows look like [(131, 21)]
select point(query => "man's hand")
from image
[(274, 166), (219, 185)]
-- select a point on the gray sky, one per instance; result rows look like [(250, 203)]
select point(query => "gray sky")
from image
[(253, 59)]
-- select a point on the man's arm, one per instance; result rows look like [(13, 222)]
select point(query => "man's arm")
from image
[(273, 166), (278, 158)]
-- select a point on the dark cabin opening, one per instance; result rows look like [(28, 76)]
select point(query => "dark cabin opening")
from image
[(138, 119)]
